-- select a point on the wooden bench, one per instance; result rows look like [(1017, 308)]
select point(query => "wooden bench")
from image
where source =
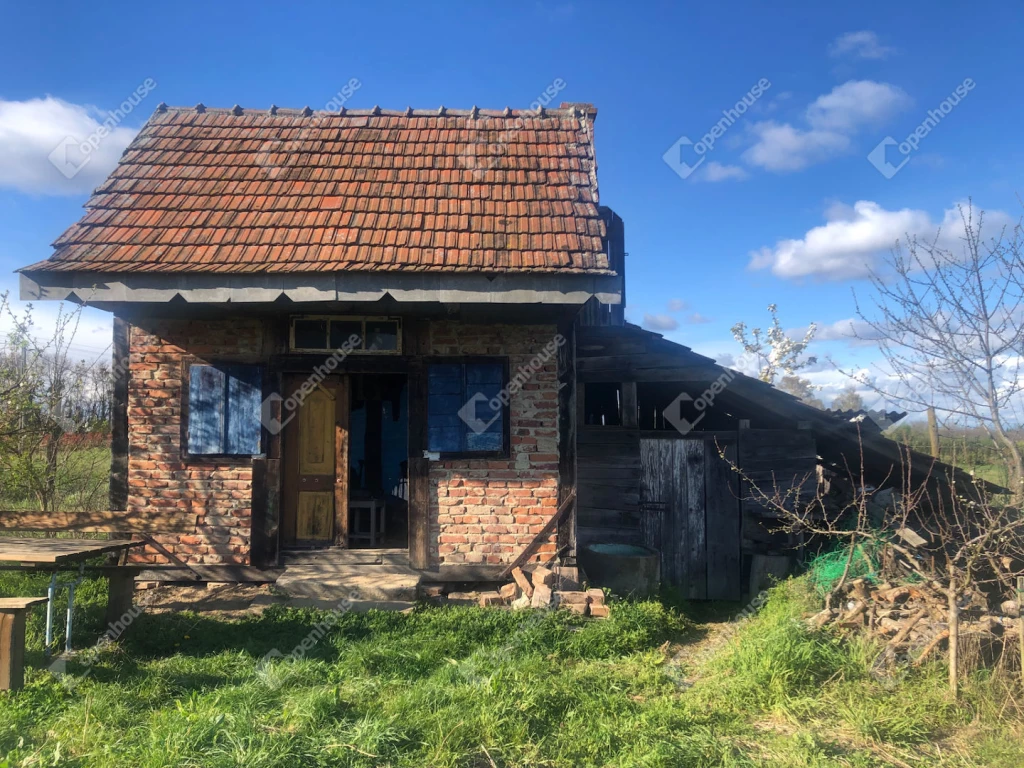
[(12, 640)]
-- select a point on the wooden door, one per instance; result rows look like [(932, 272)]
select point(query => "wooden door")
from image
[(699, 530), (315, 504)]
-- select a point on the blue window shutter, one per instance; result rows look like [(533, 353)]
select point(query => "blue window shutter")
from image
[(206, 410), (245, 390), (460, 407), (484, 383)]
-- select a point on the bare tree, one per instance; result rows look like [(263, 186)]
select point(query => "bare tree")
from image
[(949, 321), (48, 410)]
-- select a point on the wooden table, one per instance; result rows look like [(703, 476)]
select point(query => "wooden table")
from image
[(36, 551), (56, 555)]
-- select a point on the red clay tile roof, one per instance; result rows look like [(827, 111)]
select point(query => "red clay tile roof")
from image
[(218, 191)]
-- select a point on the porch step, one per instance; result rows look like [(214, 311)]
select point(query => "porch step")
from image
[(335, 582), (339, 556)]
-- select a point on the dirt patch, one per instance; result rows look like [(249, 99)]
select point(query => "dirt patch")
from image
[(226, 601)]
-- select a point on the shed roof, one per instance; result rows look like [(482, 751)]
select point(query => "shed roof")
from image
[(218, 191)]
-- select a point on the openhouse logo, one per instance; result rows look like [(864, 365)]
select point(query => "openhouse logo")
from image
[(685, 156), (888, 149)]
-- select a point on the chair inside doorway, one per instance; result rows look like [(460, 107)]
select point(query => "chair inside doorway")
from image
[(378, 465)]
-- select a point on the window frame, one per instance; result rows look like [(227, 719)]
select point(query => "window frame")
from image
[(364, 319), (505, 452), (243, 459)]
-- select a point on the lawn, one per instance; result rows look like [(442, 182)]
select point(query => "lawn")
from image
[(461, 686)]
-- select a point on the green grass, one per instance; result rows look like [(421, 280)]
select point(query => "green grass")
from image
[(480, 687)]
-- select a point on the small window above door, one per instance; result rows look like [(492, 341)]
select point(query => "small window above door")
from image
[(357, 335)]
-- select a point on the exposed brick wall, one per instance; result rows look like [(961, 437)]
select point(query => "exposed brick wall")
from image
[(485, 512), (160, 480), (481, 511)]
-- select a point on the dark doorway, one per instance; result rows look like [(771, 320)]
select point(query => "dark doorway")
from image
[(378, 462)]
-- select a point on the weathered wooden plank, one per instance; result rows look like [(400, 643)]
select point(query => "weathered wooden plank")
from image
[(114, 521), (606, 535), (35, 551), (119, 416), (692, 468), (206, 409), (342, 415), (568, 482), (242, 428), (416, 342), (723, 526)]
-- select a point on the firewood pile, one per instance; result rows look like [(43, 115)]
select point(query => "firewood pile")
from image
[(913, 619), (539, 588)]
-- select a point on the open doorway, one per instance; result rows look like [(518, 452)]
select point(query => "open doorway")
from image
[(378, 496)]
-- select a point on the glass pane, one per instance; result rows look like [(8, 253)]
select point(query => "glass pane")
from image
[(346, 332), (485, 441), (311, 334), (382, 334), (448, 439), (485, 373), (445, 379)]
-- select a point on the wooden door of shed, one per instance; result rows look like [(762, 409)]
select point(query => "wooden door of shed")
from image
[(698, 533), (316, 438)]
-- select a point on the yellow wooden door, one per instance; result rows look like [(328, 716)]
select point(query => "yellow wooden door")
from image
[(314, 518)]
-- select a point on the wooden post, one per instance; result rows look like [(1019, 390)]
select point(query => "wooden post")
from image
[(12, 640), (119, 417), (120, 593), (1020, 624), (933, 432), (954, 634), (416, 344), (565, 536), (629, 413)]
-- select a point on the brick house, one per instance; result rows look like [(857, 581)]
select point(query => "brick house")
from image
[(404, 331), (241, 252)]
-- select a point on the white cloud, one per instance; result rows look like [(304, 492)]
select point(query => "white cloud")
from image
[(781, 147), (833, 119), (716, 171), (677, 305), (851, 329), (860, 45), (849, 244), (696, 318), (855, 103), (660, 322), (31, 130)]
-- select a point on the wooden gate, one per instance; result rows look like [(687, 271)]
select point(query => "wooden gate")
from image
[(690, 500)]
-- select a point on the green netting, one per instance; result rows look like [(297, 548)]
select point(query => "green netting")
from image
[(826, 569)]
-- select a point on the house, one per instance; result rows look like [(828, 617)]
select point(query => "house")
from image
[(404, 330)]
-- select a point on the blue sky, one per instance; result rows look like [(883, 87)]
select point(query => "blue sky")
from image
[(705, 251)]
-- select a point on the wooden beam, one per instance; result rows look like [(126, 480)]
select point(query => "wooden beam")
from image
[(629, 412), (416, 342), (119, 416), (115, 521), (567, 426), (342, 437), (549, 526)]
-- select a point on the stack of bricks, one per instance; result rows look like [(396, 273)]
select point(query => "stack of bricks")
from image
[(541, 588), (488, 511), (161, 480)]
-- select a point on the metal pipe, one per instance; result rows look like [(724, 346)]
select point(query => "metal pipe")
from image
[(71, 615), (51, 593)]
